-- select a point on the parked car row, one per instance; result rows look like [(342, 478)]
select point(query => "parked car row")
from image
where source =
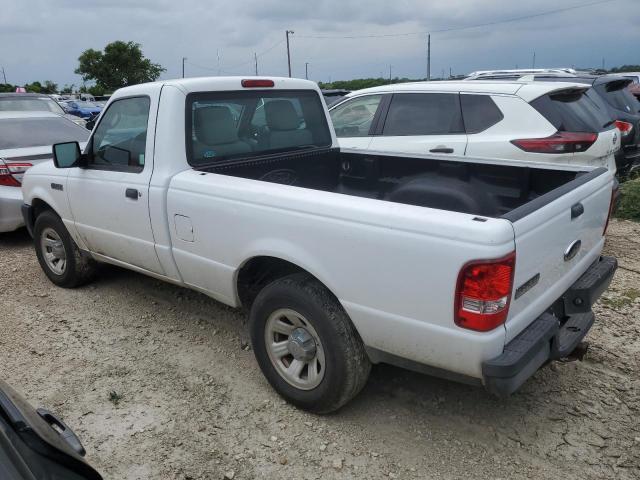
[(35, 102)]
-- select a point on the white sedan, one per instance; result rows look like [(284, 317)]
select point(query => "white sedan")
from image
[(25, 140)]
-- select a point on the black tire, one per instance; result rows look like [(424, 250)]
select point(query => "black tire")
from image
[(79, 268), (347, 365)]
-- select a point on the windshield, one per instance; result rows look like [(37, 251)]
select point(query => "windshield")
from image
[(37, 132), (30, 104), (86, 105), (251, 123)]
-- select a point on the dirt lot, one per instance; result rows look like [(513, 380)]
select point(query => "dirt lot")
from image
[(159, 384)]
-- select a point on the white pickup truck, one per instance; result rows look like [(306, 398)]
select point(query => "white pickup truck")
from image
[(478, 270)]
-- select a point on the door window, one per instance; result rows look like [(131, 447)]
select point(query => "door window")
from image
[(120, 139), (424, 114), (353, 118)]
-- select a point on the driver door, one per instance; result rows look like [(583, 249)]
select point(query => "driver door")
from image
[(109, 196)]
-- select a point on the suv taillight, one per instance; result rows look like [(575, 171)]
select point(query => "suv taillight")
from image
[(483, 293), (559, 142), (11, 173), (624, 127)]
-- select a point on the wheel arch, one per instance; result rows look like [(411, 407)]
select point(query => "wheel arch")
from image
[(258, 271)]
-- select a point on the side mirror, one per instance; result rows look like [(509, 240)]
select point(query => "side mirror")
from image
[(66, 155), (90, 124)]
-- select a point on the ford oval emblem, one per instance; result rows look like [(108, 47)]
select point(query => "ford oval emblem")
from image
[(572, 250)]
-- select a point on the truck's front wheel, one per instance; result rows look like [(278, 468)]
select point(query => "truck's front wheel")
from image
[(57, 253), (306, 345)]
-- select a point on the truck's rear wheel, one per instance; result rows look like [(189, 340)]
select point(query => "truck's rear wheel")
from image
[(306, 345), (57, 253)]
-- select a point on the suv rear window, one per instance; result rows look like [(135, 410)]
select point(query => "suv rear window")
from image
[(480, 112), (574, 111), (424, 114), (619, 97), (224, 125)]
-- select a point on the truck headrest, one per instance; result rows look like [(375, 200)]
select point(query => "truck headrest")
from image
[(214, 125), (281, 115)]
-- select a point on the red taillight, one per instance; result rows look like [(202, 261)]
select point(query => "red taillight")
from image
[(624, 127), (559, 142), (612, 204), (257, 83), (483, 293), (11, 173)]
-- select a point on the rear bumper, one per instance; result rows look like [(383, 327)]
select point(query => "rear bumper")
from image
[(10, 203), (549, 338)]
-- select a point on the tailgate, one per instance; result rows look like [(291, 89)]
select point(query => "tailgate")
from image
[(557, 236)]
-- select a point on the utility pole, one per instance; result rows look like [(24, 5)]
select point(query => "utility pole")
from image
[(4, 75), (534, 60), (428, 57), (450, 74), (255, 59), (306, 70), (183, 59), (389, 74), (602, 64), (289, 32)]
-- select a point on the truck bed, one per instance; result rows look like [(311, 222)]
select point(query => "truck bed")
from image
[(484, 189)]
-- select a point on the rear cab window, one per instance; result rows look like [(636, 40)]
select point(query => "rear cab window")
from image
[(413, 114), (244, 124), (574, 111)]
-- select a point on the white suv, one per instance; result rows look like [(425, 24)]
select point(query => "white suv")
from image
[(535, 121)]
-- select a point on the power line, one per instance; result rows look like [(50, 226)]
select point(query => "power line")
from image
[(453, 29), (233, 67)]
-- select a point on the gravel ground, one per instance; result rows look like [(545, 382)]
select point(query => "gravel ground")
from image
[(159, 384)]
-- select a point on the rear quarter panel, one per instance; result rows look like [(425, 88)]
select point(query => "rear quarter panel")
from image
[(393, 267)]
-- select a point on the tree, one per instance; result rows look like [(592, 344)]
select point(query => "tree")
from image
[(35, 87), (121, 64), (49, 87)]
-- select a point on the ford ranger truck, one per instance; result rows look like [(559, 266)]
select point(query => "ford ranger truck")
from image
[(477, 270)]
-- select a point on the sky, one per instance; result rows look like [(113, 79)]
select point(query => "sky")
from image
[(42, 39)]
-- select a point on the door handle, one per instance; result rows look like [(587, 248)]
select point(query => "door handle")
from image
[(441, 150), (132, 193), (577, 210)]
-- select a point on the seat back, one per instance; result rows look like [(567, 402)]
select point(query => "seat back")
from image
[(284, 123), (216, 133)]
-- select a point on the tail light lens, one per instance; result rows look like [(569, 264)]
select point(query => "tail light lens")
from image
[(624, 127), (257, 83), (559, 142), (483, 293), (11, 173)]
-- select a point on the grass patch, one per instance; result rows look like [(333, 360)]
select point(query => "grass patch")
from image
[(626, 298), (629, 207)]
